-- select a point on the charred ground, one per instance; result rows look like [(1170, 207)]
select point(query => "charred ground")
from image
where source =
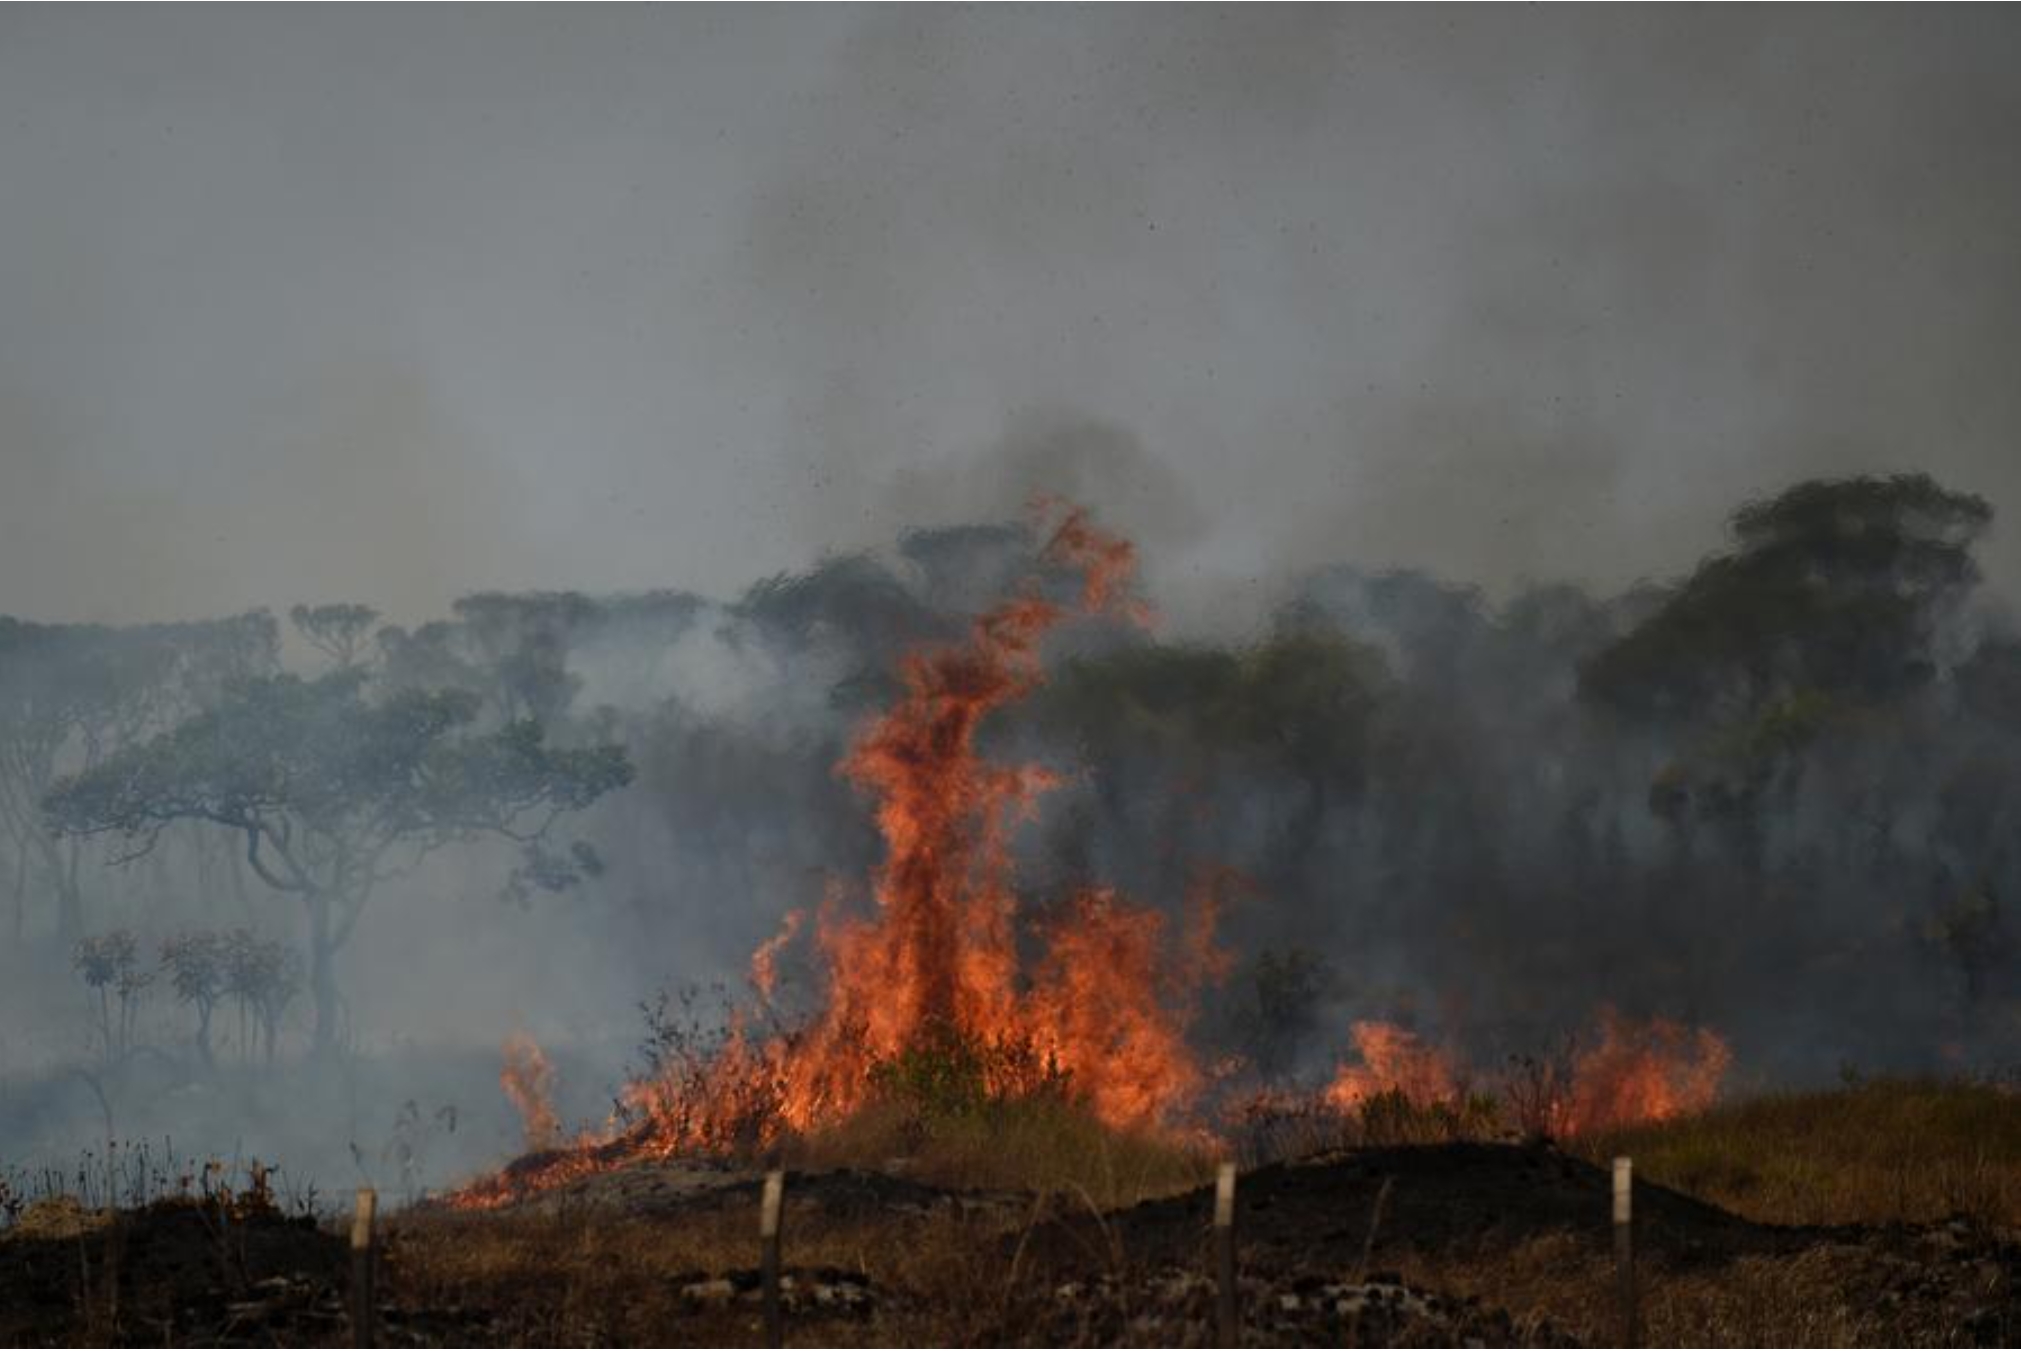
[(1421, 1244)]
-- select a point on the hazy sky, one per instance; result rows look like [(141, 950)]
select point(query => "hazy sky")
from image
[(391, 305)]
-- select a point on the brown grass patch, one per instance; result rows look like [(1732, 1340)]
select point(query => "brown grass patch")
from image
[(1883, 1151)]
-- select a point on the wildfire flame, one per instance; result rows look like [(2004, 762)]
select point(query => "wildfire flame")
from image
[(765, 961), (939, 957), (1393, 1060), (528, 1080), (1104, 1009), (1636, 1073), (1631, 1073)]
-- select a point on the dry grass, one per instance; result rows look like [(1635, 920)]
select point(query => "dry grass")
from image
[(1876, 1153), (1886, 1150), (941, 1278), (588, 1279), (1800, 1300), (1039, 1144)]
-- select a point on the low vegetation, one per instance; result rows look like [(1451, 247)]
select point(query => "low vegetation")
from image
[(1932, 1169), (1874, 1152)]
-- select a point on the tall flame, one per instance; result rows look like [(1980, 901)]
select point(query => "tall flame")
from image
[(528, 1080), (1641, 1072), (939, 956), (1103, 1010), (1393, 1060), (935, 962)]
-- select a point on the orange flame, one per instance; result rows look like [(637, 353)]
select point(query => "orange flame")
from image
[(1642, 1072), (1105, 1007), (1632, 1073), (528, 1079), (765, 961), (940, 955), (1392, 1060)]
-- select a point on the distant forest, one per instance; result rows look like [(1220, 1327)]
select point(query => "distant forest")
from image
[(1776, 795)]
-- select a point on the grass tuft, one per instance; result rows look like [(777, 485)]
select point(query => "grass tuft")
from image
[(1880, 1151)]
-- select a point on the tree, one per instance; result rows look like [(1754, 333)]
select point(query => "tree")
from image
[(337, 631), (110, 964), (1836, 587), (72, 694), (195, 962), (332, 793), (262, 975), (1289, 988), (1820, 627), (1304, 703)]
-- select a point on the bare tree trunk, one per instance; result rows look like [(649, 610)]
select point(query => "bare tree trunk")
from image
[(20, 891), (322, 972), (69, 907)]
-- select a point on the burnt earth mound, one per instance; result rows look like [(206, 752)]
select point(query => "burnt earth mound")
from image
[(1370, 1247), (1445, 1200), (175, 1271)]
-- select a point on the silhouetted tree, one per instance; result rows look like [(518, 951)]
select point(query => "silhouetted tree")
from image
[(333, 793), (339, 632)]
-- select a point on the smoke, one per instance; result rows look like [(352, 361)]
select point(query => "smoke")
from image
[(689, 297), (1434, 332)]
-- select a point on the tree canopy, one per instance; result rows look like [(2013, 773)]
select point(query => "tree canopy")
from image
[(334, 792), (1837, 587)]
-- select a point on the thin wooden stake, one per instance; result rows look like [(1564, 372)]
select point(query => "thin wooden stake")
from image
[(768, 1238), (1227, 1323), (364, 1262), (1624, 1249)]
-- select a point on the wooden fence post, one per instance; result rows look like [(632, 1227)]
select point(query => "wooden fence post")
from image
[(364, 1298), (768, 1239), (1624, 1249), (1228, 1326)]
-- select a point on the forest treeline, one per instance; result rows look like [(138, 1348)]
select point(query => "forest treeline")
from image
[(1776, 794)]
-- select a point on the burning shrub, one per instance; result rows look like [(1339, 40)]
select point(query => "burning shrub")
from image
[(1403, 1090), (702, 1084), (1393, 1117), (1394, 1061), (1640, 1072), (951, 1074)]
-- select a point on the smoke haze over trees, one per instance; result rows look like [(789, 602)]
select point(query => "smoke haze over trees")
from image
[(465, 480), (1772, 796)]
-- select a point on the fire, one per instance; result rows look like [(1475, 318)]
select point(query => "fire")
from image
[(1641, 1072), (765, 961), (528, 1080), (1095, 999), (1629, 1073), (936, 962), (1392, 1060), (938, 958)]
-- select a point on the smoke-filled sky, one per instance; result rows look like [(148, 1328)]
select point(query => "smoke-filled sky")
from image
[(390, 306)]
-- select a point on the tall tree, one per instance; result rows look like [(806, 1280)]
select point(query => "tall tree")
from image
[(339, 632), (1823, 624), (1837, 587), (333, 792), (73, 694)]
